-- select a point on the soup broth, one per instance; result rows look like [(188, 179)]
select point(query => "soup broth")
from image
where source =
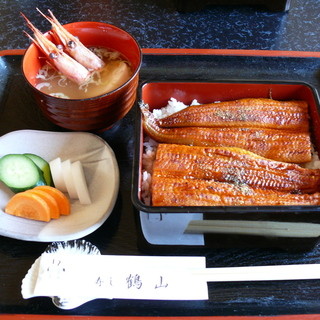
[(116, 72)]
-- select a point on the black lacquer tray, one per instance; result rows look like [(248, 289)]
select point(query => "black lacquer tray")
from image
[(121, 233)]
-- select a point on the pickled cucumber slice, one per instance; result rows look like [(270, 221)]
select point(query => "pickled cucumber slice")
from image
[(20, 173)]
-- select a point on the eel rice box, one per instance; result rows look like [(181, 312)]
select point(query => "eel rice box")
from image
[(157, 95)]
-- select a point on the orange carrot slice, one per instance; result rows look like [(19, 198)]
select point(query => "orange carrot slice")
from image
[(28, 205), (51, 201), (62, 200)]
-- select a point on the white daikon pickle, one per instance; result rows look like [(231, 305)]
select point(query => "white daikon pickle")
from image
[(80, 182), (68, 179), (57, 175)]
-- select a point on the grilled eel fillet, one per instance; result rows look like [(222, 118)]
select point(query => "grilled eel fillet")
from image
[(194, 192), (250, 113), (233, 165), (280, 145)]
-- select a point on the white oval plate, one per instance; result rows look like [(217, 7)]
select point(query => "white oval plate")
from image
[(101, 171)]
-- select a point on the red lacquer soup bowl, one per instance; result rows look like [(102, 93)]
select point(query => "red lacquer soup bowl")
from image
[(99, 112)]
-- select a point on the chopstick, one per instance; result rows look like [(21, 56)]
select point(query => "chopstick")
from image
[(260, 273), (261, 228)]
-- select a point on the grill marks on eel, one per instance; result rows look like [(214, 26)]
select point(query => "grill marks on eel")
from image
[(184, 175), (234, 153), (233, 165), (183, 192), (251, 112), (280, 145)]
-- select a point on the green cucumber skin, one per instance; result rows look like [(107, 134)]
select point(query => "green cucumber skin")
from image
[(17, 190), (14, 168), (43, 166)]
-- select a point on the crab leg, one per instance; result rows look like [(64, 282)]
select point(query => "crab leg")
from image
[(59, 60), (73, 46)]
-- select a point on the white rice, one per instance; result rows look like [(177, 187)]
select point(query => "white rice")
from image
[(148, 157), (150, 148), (173, 106), (314, 163)]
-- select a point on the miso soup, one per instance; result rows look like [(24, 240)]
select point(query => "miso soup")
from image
[(116, 72)]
